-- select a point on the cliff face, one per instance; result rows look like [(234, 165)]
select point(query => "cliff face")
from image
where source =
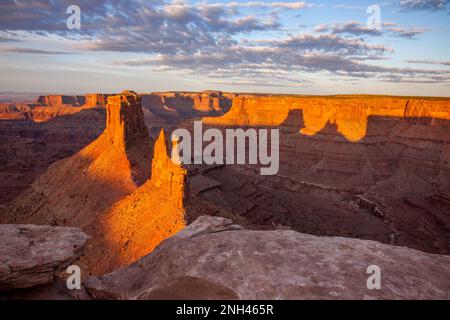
[(215, 259), (61, 100), (211, 102), (125, 120), (86, 173), (368, 167), (96, 99), (175, 107), (350, 114), (88, 100), (413, 132), (49, 107), (345, 161), (167, 176), (136, 224), (10, 111)]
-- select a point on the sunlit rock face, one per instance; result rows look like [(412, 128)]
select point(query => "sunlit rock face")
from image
[(125, 120), (77, 191), (88, 100), (371, 167), (136, 224), (349, 115), (175, 107), (95, 99), (61, 100)]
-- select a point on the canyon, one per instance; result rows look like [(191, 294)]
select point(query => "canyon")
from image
[(371, 168)]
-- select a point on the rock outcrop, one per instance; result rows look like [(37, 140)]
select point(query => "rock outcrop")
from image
[(31, 255), (29, 147), (125, 120), (10, 111), (216, 259), (96, 99), (175, 107), (61, 100), (136, 224), (47, 108), (88, 100)]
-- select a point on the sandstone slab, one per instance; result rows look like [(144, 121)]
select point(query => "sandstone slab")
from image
[(30, 255), (216, 259)]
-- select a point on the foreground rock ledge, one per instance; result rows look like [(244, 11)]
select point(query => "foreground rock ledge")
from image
[(216, 259), (30, 255)]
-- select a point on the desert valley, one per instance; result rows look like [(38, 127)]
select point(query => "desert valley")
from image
[(363, 180)]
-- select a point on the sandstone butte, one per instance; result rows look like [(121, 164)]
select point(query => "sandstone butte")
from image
[(98, 191), (160, 108), (372, 167), (52, 106), (88, 100)]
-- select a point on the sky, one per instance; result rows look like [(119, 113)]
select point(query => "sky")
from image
[(398, 47)]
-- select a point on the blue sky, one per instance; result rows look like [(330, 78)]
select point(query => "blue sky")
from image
[(300, 47)]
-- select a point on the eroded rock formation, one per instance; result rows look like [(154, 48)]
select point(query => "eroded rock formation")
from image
[(175, 107), (88, 100), (216, 259), (31, 255), (74, 191), (105, 190), (50, 107), (136, 224), (96, 99), (125, 120)]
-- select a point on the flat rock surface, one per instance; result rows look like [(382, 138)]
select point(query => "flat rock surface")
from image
[(30, 255), (216, 259)]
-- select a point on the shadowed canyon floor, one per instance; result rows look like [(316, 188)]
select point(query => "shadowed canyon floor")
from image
[(365, 167)]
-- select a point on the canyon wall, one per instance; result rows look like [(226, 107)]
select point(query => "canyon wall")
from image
[(349, 114), (175, 107), (362, 166), (88, 100)]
